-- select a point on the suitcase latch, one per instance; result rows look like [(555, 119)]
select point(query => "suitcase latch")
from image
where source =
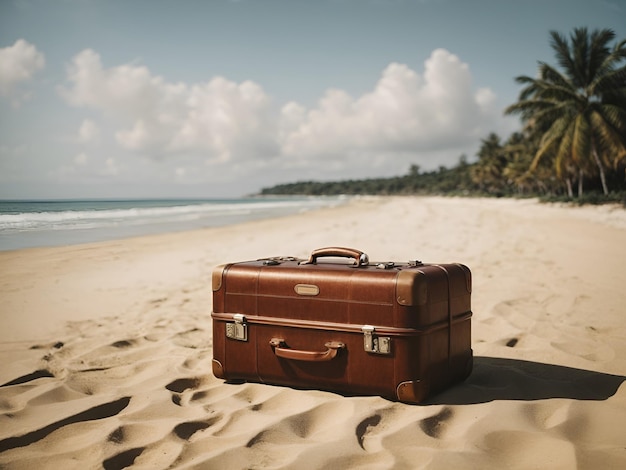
[(238, 329), (374, 343)]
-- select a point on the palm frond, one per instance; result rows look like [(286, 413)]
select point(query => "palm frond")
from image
[(600, 55), (550, 141), (563, 154), (531, 105), (614, 116), (580, 51), (581, 139), (547, 148), (551, 78), (619, 50), (522, 79), (559, 111), (609, 82), (560, 46), (610, 133)]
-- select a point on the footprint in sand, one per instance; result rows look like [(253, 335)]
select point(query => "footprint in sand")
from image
[(185, 430), (364, 426), (38, 374), (57, 345), (436, 425), (19, 392), (123, 459), (202, 389), (105, 410), (297, 422), (180, 385)]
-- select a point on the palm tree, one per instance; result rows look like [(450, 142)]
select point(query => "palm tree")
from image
[(518, 156), (487, 172), (580, 113)]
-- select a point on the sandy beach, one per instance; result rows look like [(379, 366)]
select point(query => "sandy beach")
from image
[(105, 348)]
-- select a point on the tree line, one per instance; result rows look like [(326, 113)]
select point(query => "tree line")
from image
[(572, 144)]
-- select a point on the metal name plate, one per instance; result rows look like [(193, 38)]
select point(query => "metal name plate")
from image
[(374, 343), (239, 329)]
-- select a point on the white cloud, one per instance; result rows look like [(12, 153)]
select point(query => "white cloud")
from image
[(219, 119), (125, 89), (430, 118), (18, 63), (404, 114)]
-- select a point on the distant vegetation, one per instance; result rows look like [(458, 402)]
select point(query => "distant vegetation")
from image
[(573, 136)]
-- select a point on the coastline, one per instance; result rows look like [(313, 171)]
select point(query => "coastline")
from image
[(121, 330), (31, 224)]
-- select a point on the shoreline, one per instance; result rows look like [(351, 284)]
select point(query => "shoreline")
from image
[(612, 214), (31, 224), (120, 331)]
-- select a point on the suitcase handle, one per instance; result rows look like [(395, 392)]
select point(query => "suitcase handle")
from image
[(332, 348), (361, 258)]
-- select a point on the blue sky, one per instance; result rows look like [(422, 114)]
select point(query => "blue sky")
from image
[(218, 98)]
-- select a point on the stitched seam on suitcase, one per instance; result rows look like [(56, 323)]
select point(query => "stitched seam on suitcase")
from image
[(322, 325)]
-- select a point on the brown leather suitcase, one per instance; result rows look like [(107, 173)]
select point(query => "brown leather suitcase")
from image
[(398, 330)]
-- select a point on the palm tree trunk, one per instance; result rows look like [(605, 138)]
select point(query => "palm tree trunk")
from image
[(581, 175), (570, 191), (605, 189)]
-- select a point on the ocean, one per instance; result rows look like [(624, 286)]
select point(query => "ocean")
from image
[(28, 224)]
